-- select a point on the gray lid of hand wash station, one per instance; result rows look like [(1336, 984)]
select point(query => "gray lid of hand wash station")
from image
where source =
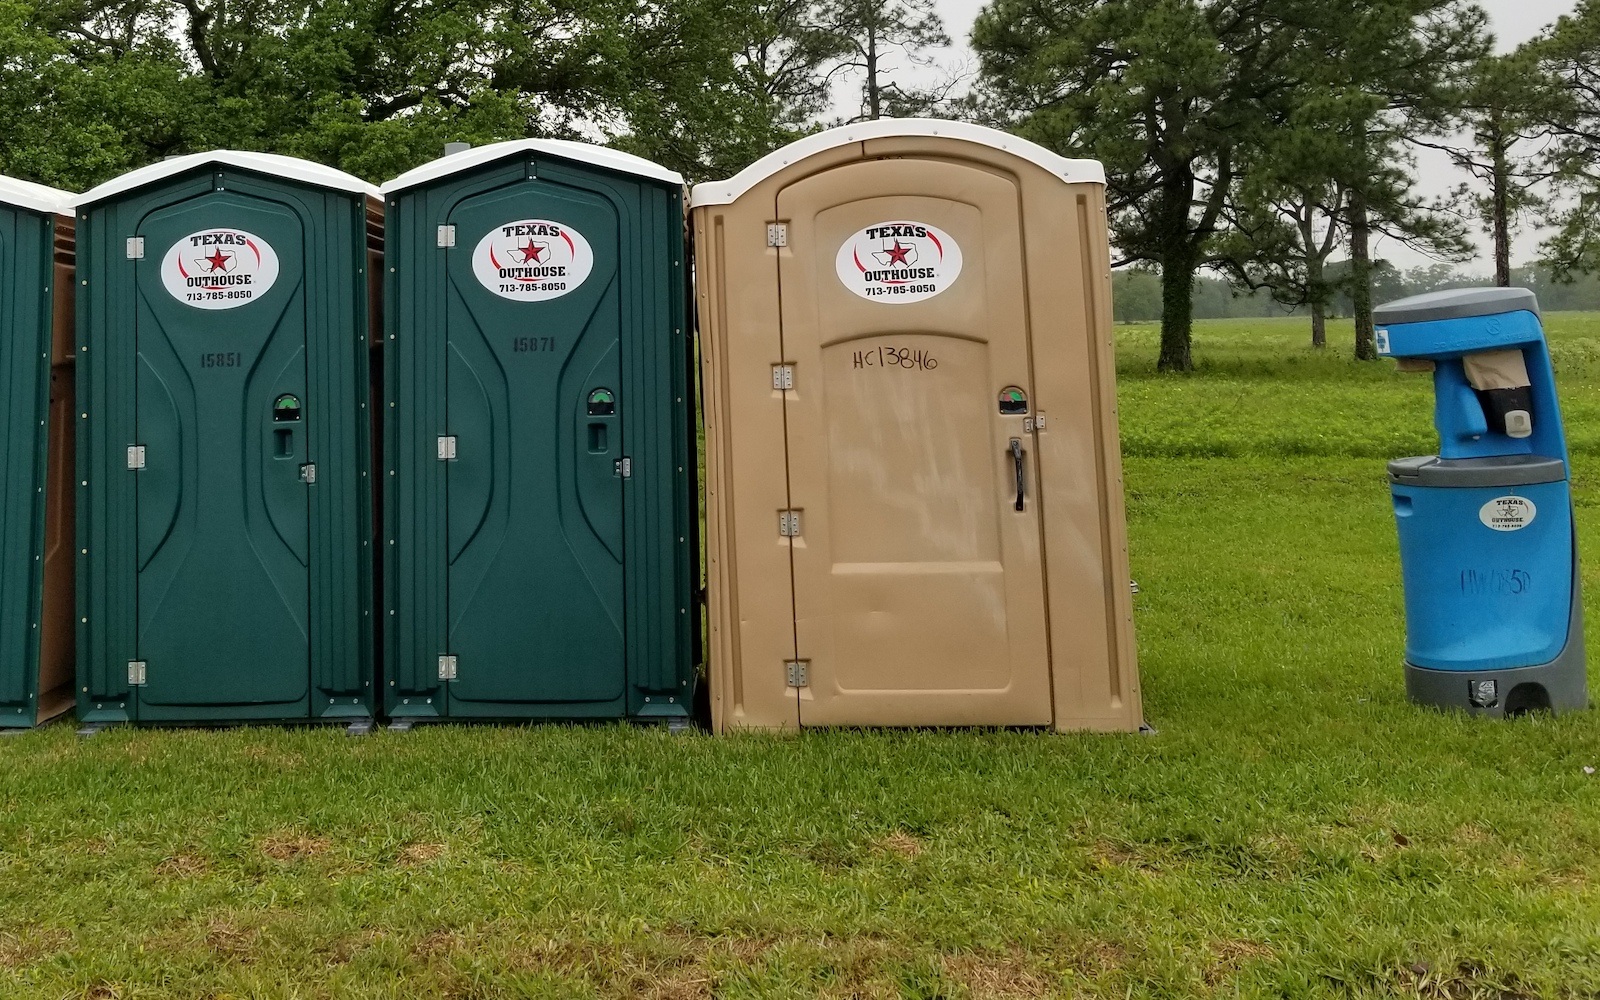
[(1468, 473), (1457, 303)]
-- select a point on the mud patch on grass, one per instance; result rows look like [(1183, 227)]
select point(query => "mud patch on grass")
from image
[(182, 865), (1110, 854), (901, 844), (343, 950), (417, 855), (1230, 955), (20, 948), (228, 940), (998, 976), (662, 968), (439, 944), (290, 846), (1466, 980)]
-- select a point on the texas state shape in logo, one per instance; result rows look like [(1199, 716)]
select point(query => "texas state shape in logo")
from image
[(532, 260), (899, 262), (219, 268)]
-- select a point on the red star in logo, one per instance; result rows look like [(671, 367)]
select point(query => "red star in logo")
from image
[(218, 261), (897, 254), (533, 252)]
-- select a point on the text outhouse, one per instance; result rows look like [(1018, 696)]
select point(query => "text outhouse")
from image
[(36, 493), (914, 488), (541, 552), (224, 516)]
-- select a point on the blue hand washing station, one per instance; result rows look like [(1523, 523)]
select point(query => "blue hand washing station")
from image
[(1493, 620)]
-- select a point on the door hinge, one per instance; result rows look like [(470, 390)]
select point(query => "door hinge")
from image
[(308, 472), (136, 248), (447, 667), (623, 467), (447, 447), (447, 236), (799, 672), (777, 234), (783, 376), (135, 456), (136, 673), (789, 523)]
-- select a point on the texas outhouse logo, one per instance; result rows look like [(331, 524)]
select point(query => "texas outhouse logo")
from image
[(219, 268), (532, 260), (1508, 513), (899, 262)]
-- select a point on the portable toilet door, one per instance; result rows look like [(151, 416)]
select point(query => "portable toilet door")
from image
[(224, 522), (540, 512), (36, 497), (914, 493)]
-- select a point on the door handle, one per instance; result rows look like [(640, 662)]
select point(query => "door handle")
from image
[(1016, 459)]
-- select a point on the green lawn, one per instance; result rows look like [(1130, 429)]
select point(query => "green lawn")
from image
[(1295, 829)]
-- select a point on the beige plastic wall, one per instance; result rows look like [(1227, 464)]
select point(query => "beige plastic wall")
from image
[(765, 447)]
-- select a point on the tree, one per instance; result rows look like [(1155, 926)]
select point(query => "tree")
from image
[(1171, 95), (1406, 58), (1505, 108), (869, 34), (377, 86), (1289, 215), (1569, 54)]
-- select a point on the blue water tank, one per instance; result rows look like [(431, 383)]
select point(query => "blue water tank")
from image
[(1487, 549)]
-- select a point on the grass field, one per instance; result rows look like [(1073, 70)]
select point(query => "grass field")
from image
[(1295, 829)]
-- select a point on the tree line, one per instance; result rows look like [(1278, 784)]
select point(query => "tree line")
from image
[(1269, 142)]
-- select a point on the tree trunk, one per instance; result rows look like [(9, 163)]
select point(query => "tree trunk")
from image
[(874, 94), (1316, 286), (1361, 276), (1502, 209), (1177, 312)]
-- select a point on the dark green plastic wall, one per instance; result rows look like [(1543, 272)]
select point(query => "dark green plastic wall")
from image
[(28, 280), (130, 557), (563, 589)]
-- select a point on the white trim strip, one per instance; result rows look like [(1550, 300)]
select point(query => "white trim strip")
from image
[(1069, 170), (271, 164), (578, 152), (34, 197)]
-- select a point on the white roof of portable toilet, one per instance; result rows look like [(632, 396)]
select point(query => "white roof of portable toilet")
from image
[(1070, 170), (37, 197), (271, 164), (566, 149)]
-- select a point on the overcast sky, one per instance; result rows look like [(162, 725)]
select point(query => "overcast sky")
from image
[(1514, 21)]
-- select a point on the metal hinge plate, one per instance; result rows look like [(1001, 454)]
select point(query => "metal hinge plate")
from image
[(136, 248), (447, 236), (447, 667), (135, 456), (789, 523), (783, 376), (136, 671), (623, 468), (447, 447), (799, 673), (308, 472), (777, 234)]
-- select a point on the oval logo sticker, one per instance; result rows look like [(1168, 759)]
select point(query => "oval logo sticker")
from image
[(532, 260), (219, 268), (1508, 513), (899, 262)]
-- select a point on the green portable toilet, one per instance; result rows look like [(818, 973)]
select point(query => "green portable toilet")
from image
[(35, 453), (539, 514), (224, 515)]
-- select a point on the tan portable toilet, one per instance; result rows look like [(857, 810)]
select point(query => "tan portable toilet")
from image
[(914, 489)]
